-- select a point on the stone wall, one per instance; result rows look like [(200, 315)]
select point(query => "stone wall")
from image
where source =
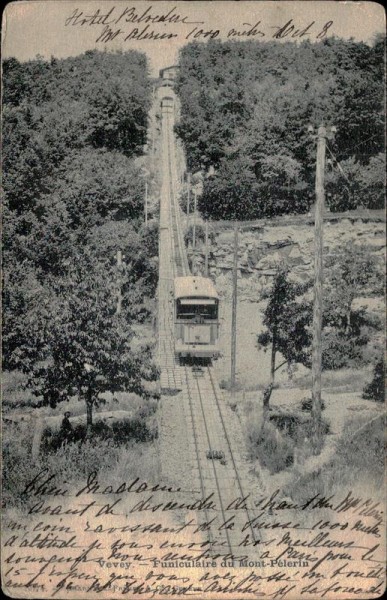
[(263, 247)]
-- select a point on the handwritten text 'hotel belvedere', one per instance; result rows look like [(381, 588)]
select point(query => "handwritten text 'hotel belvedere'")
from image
[(138, 24)]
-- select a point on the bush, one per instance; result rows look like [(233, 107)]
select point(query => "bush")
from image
[(199, 235), (375, 390), (358, 464), (286, 437), (140, 428), (339, 349), (307, 403), (73, 462), (106, 451), (274, 451), (17, 463)]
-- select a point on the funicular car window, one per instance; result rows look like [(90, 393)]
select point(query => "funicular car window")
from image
[(208, 311)]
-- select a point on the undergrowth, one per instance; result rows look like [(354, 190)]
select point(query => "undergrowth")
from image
[(117, 453), (276, 441), (358, 464), (274, 451)]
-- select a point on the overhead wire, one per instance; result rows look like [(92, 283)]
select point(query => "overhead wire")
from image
[(342, 172), (360, 144), (337, 163)]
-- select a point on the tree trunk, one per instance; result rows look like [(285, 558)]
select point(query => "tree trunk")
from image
[(37, 439), (348, 321), (89, 414), (266, 396), (273, 353), (267, 392)]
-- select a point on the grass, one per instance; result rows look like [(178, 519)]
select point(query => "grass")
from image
[(349, 380), (140, 428), (15, 395), (118, 452), (352, 458), (72, 463), (346, 379), (358, 464)]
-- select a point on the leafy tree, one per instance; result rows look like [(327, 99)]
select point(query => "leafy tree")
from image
[(78, 345), (27, 159), (282, 188), (287, 319), (230, 192), (72, 131), (139, 248), (350, 271), (51, 109), (355, 184), (247, 104), (24, 300), (371, 182), (346, 331), (97, 184), (342, 190)]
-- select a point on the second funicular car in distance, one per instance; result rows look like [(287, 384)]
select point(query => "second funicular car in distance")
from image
[(167, 104), (196, 317)]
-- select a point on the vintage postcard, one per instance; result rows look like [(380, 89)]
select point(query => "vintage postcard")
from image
[(193, 300)]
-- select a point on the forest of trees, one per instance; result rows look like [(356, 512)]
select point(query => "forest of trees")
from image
[(245, 112), (73, 132)]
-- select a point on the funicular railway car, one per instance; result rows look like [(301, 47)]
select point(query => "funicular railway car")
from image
[(168, 83), (167, 104), (196, 317)]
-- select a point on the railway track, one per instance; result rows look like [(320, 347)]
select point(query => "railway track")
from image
[(215, 461), (180, 265)]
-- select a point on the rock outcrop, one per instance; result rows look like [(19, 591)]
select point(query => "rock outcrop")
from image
[(263, 248)]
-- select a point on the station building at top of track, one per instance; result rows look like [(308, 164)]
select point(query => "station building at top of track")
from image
[(168, 76), (169, 72)]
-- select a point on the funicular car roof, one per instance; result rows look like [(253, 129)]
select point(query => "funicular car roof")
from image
[(194, 287)]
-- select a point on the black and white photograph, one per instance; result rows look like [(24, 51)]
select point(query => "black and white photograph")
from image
[(193, 300)]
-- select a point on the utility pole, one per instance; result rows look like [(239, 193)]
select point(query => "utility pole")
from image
[(119, 282), (234, 308), (188, 194), (146, 203), (206, 251), (194, 221), (194, 235), (322, 135)]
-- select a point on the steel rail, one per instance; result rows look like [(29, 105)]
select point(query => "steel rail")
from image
[(183, 264), (180, 268), (213, 464), (177, 249), (178, 241), (214, 386), (202, 485)]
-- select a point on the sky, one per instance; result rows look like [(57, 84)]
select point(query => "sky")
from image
[(64, 28)]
